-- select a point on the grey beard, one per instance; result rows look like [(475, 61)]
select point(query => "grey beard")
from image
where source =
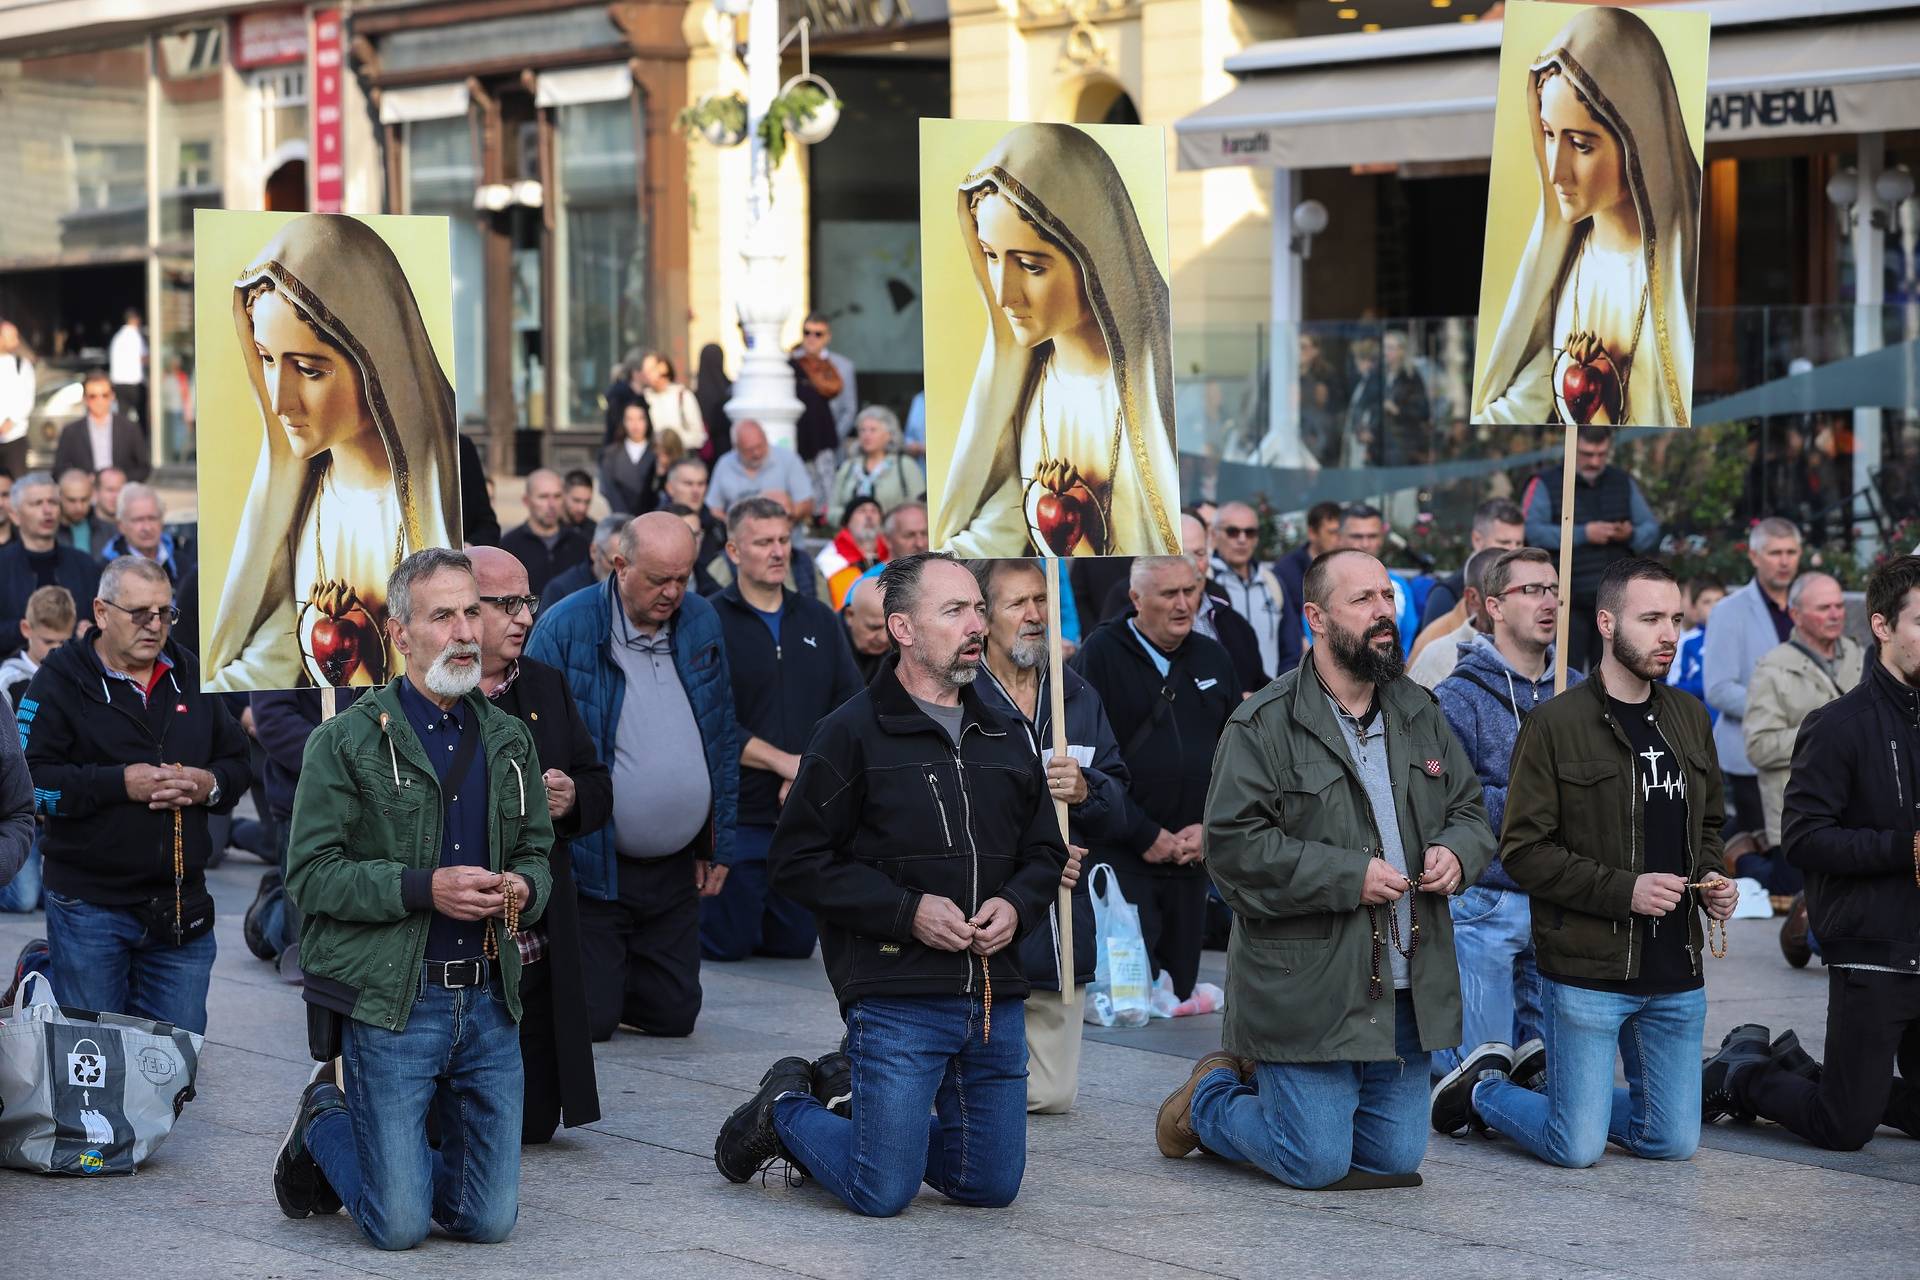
[(449, 683), (1028, 654)]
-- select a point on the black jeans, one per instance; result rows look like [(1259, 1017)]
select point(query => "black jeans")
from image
[(642, 952), (1173, 923), (1871, 1018), (540, 1060), (1743, 789)]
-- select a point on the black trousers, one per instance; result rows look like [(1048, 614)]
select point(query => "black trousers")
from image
[(1743, 789), (1173, 923), (1583, 634), (1872, 1018), (642, 952), (131, 398), (540, 1107)]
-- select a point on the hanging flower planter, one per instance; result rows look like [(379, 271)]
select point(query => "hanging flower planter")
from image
[(719, 118), (806, 109)]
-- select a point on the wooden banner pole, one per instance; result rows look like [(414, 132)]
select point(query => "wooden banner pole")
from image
[(1567, 474), (1057, 699)]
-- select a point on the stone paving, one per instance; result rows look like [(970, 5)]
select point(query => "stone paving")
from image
[(637, 1194)]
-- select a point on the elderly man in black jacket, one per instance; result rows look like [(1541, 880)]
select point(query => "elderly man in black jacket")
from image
[(791, 665), (1168, 691), (920, 833), (1091, 779), (1850, 826), (555, 1050)]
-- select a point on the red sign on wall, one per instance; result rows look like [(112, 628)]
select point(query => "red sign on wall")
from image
[(269, 39), (329, 169)]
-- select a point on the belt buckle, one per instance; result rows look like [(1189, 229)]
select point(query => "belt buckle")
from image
[(447, 974)]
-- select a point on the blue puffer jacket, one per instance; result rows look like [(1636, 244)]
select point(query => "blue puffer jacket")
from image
[(576, 636)]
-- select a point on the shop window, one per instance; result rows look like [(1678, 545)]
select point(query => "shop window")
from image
[(441, 178), (601, 251), (191, 127), (73, 144)]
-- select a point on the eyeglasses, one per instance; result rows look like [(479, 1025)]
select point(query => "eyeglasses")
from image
[(144, 618), (1534, 590), (814, 333), (1235, 531), (511, 605)]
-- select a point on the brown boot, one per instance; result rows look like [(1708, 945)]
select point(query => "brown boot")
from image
[(1173, 1129)]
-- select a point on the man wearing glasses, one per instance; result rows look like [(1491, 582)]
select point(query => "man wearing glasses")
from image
[(128, 758), (1253, 589), (554, 1046)]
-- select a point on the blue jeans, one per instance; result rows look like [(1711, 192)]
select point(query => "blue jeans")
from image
[(1310, 1123), (1657, 1114), (910, 1056), (747, 918), (459, 1052), (22, 893), (104, 960), (1499, 982)]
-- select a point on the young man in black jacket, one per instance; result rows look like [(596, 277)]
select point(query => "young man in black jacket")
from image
[(1851, 809), (790, 664), (1168, 692), (128, 758), (920, 834)]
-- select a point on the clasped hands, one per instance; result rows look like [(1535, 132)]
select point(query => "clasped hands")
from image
[(475, 893), (1441, 874), (167, 786), (1181, 848), (1657, 893)]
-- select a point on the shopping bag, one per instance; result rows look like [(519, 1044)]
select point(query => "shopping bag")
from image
[(1122, 976), (87, 1093)]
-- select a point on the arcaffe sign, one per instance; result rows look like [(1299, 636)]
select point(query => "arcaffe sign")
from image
[(859, 17)]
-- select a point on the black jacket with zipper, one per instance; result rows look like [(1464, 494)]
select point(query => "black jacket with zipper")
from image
[(782, 689), (81, 729), (885, 811), (1572, 836), (1169, 758), (1852, 809)]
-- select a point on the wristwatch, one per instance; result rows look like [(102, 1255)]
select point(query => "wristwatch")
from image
[(213, 796)]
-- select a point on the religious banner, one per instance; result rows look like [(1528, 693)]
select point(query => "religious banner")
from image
[(1049, 352), (328, 442), (1593, 218)]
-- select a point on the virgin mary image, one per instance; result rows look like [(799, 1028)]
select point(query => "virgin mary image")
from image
[(357, 465), (1598, 326), (1066, 446)]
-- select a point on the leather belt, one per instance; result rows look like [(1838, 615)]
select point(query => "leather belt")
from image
[(452, 975)]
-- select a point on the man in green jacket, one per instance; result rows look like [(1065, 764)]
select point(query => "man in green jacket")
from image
[(1613, 827), (1342, 814), (418, 848)]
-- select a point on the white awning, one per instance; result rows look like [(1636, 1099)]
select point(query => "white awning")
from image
[(427, 102), (610, 83), (1764, 80)]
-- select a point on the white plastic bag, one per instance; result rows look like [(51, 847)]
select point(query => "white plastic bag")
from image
[(1122, 977)]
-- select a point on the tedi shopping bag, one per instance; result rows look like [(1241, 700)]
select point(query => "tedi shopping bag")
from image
[(87, 1093), (1122, 979)]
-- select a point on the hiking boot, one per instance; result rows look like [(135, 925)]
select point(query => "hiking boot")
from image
[(747, 1142), (1744, 1049), (1173, 1128), (1529, 1069), (1793, 934), (833, 1083), (1452, 1098), (298, 1184), (1789, 1056)]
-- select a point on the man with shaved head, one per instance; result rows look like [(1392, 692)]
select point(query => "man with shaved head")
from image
[(554, 1048), (866, 624), (546, 544), (1253, 589), (647, 665)]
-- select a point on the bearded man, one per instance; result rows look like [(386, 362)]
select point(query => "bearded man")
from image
[(1343, 813)]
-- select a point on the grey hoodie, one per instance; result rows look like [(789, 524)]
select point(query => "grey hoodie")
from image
[(1486, 700)]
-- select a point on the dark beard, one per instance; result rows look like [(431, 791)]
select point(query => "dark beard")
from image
[(1638, 661), (1355, 654)]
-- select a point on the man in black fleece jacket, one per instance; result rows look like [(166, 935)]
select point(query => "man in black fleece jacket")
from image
[(1168, 692), (128, 758)]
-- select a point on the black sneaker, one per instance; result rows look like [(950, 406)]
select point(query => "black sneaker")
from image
[(35, 957), (833, 1083), (1719, 1095), (747, 1142), (298, 1184), (1788, 1055), (1453, 1096), (1529, 1069)]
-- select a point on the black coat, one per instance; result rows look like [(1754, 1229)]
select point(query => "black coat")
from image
[(282, 723), (885, 811), (74, 452), (1236, 634), (542, 565), (479, 525), (75, 570), (629, 487), (1850, 822), (540, 699), (1167, 728)]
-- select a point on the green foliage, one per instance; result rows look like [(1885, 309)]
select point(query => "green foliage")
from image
[(789, 112), (726, 111)]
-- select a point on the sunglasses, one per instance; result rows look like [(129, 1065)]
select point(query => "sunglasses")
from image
[(1237, 531), (144, 618), (814, 333)]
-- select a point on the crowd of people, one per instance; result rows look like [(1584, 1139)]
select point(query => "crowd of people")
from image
[(625, 749)]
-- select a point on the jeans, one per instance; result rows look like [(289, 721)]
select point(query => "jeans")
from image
[(459, 1054), (104, 960), (22, 893), (1657, 1114), (1310, 1123), (1499, 982), (747, 918), (911, 1055)]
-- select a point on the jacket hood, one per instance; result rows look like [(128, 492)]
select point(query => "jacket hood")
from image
[(1485, 658), (78, 661)]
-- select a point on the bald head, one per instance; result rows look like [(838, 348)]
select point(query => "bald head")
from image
[(498, 572), (866, 619), (545, 495), (652, 566), (503, 626), (658, 537), (750, 442)]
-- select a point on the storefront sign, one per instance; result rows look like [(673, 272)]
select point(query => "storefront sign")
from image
[(270, 39), (1804, 110), (329, 170), (855, 17)]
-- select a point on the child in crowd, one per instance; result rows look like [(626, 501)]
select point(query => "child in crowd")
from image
[(1688, 672), (49, 623)]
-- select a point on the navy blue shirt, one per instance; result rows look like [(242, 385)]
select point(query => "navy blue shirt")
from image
[(463, 841)]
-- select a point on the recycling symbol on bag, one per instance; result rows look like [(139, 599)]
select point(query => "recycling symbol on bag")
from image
[(86, 1070)]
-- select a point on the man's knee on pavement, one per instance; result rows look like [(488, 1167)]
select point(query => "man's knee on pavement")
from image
[(996, 1190), (398, 1231), (1677, 1145), (491, 1228)]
